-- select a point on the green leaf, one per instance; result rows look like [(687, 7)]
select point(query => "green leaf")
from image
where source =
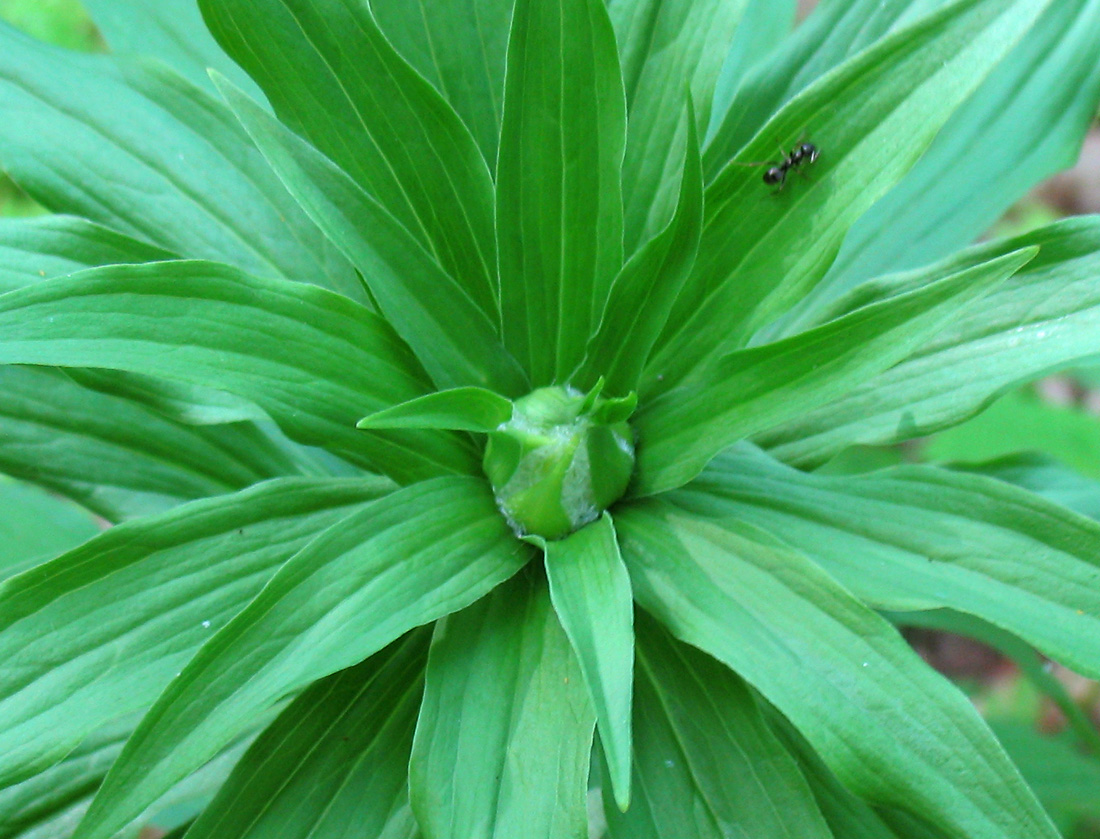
[(1047, 477), (333, 77), (590, 591), (131, 145), (1041, 320), (314, 361), (450, 333), (99, 631), (1026, 122), (337, 756), (402, 561), (920, 537), (559, 206), (460, 409), (117, 458), (644, 291), (750, 390), (670, 49), (171, 30), (871, 119), (706, 764), (504, 737), (458, 46), (36, 249), (835, 31), (893, 730), (35, 527)]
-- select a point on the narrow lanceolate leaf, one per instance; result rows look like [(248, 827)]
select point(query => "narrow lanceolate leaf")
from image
[(835, 31), (171, 30), (1034, 110), (117, 458), (101, 630), (313, 360), (590, 590), (1047, 477), (337, 756), (400, 562), (559, 206), (132, 145), (1042, 319), (922, 537), (645, 290), (504, 737), (460, 48), (870, 119), (751, 390), (36, 526), (451, 334), (706, 764), (892, 729), (670, 49), (332, 76), (36, 249), (461, 409)]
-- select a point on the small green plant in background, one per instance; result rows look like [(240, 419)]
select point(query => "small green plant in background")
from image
[(458, 378)]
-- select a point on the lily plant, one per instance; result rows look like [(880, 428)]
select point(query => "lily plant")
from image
[(456, 377)]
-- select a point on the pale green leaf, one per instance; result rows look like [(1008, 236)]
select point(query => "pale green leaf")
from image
[(338, 756), (460, 409), (921, 537), (332, 76), (747, 391), (559, 206), (706, 764), (35, 526), (590, 590), (99, 631), (133, 146), (871, 119), (459, 46), (670, 49), (893, 730), (1047, 477), (313, 360), (400, 562), (451, 334), (504, 737)]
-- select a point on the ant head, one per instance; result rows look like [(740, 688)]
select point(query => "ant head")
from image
[(808, 151), (775, 175)]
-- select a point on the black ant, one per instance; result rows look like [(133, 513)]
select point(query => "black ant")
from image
[(776, 173)]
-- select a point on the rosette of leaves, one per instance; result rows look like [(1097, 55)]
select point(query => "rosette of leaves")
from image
[(434, 220)]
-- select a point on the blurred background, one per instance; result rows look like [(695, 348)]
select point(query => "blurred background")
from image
[(1047, 717)]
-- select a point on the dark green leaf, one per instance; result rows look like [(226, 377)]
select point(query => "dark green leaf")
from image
[(101, 630), (36, 249), (171, 30), (920, 537), (706, 764), (338, 756), (645, 289), (590, 590), (893, 730), (559, 207), (670, 49), (871, 120), (1039, 321), (749, 390), (133, 146), (461, 409), (505, 732), (459, 46), (333, 77), (451, 334), (35, 527), (314, 361), (403, 561), (117, 458)]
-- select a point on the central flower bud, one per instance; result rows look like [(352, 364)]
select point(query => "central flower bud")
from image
[(561, 460)]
